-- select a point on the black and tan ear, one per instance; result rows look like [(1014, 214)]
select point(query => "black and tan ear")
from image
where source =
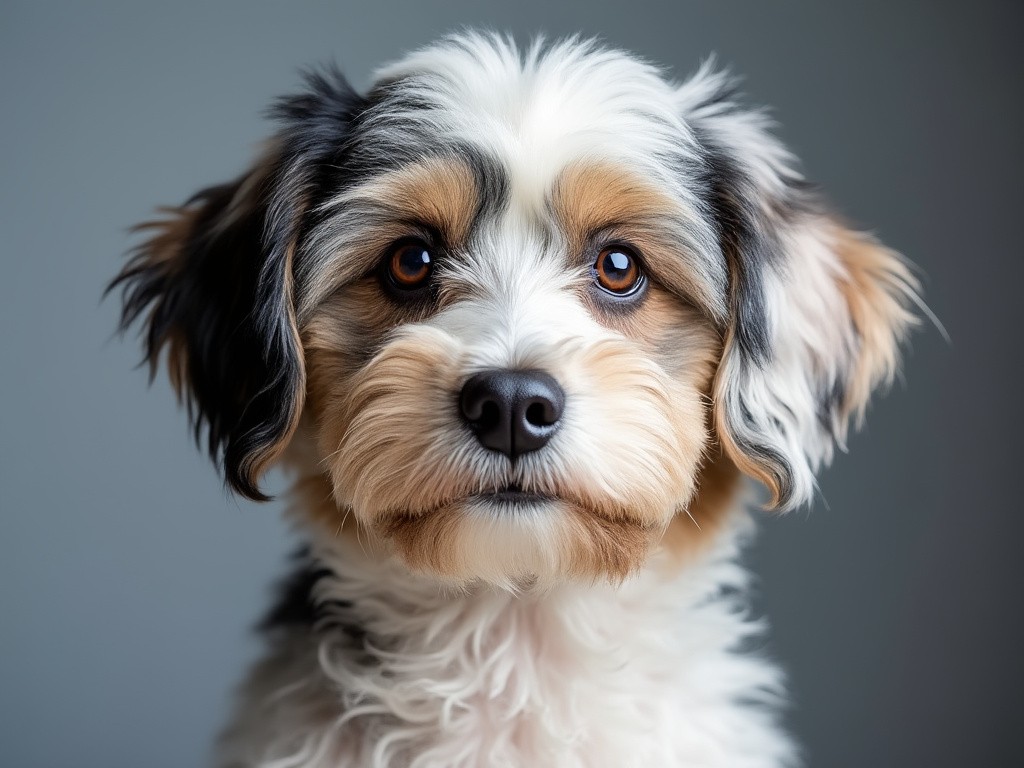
[(214, 286), (817, 310)]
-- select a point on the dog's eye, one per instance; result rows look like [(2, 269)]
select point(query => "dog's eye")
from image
[(617, 270), (410, 264)]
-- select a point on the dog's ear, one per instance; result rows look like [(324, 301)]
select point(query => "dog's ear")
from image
[(817, 310), (215, 285)]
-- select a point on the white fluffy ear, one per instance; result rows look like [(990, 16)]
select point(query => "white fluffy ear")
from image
[(817, 310)]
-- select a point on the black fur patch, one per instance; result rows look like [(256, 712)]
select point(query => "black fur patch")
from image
[(295, 604), (748, 224), (298, 608), (203, 297), (387, 134), (221, 295), (390, 130), (747, 244)]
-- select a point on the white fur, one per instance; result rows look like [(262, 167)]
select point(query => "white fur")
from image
[(651, 673)]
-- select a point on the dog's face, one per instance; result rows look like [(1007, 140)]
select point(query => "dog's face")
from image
[(520, 306)]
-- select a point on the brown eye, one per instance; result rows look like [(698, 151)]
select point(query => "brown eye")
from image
[(618, 271), (410, 264)]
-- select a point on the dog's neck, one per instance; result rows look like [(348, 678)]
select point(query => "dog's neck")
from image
[(516, 675)]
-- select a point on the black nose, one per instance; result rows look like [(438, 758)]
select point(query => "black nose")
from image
[(513, 412)]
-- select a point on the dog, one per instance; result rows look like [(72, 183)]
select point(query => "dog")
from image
[(519, 323)]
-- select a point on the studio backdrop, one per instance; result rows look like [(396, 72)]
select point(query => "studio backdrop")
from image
[(130, 579)]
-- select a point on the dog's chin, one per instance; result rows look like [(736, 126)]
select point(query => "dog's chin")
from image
[(516, 538)]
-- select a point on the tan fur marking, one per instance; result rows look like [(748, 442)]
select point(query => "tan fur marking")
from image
[(674, 334), (171, 233), (434, 193), (428, 542), (591, 546), (592, 196), (437, 192), (312, 502), (163, 248), (876, 285), (718, 486), (607, 549), (611, 200), (364, 422)]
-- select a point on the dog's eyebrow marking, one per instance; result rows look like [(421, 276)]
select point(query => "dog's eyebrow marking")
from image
[(441, 193), (609, 200)]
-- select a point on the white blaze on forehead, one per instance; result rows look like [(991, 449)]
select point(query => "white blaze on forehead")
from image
[(517, 303)]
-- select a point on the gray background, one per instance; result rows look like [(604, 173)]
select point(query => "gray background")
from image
[(128, 577)]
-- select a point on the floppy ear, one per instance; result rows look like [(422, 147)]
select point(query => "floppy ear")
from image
[(817, 310), (215, 284)]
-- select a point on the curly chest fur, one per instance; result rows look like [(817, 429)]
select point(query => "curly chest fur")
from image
[(401, 672)]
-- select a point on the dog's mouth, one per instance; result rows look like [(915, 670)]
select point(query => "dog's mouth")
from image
[(513, 493)]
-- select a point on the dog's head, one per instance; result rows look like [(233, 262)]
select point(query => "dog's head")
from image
[(523, 305)]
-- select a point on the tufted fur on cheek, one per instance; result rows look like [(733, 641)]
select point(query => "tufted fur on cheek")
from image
[(817, 310), (214, 286)]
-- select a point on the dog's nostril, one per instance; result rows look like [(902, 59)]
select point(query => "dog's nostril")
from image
[(473, 408), (512, 412), (541, 413), (490, 414)]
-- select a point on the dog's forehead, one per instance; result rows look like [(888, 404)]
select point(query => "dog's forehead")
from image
[(537, 112)]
